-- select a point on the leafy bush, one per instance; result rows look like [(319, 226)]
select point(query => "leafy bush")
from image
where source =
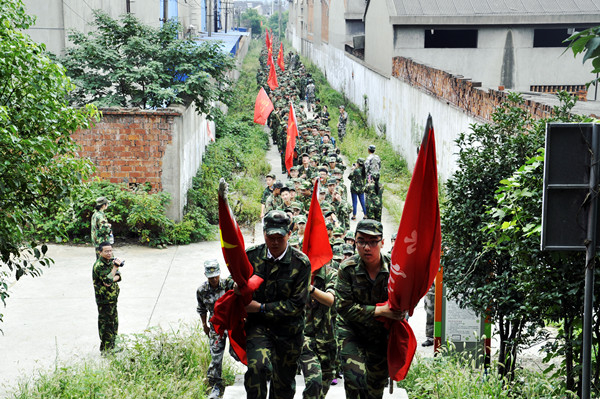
[(157, 364)]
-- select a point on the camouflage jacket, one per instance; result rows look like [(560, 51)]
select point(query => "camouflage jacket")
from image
[(318, 316), (207, 295), (373, 199), (357, 295), (372, 164), (265, 195), (357, 183), (284, 291), (100, 276), (273, 202), (101, 230)]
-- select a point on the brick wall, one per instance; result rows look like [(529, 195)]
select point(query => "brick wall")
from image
[(460, 92), (128, 145)]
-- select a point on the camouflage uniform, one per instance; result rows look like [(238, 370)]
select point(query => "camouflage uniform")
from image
[(363, 339), (274, 202), (207, 296), (372, 164), (107, 293), (342, 120), (429, 303), (101, 229), (373, 201), (319, 350), (274, 337), (268, 191)]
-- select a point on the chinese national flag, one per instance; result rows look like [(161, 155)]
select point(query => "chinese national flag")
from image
[(316, 240), (262, 107), (280, 61), (416, 253), (272, 80), (230, 308), (292, 133)]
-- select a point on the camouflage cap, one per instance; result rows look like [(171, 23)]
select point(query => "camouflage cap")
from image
[(331, 180), (307, 185), (370, 227), (394, 236), (347, 249), (338, 242), (372, 148), (271, 175), (101, 201), (360, 161), (338, 231), (300, 219), (296, 205), (336, 170), (294, 240), (337, 253), (349, 235), (276, 222), (211, 268), (290, 185), (277, 184)]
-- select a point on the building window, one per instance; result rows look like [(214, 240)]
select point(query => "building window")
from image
[(552, 37), (450, 38)]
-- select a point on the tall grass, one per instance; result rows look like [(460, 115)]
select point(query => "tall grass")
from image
[(454, 375), (155, 364)]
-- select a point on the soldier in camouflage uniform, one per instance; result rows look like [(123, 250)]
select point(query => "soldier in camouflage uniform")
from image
[(105, 276), (374, 197), (275, 322), (342, 120), (274, 201), (101, 230), (319, 349), (429, 302), (358, 177), (373, 162), (207, 294), (270, 178), (361, 285)]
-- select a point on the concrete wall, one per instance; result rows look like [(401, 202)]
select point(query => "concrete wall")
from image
[(394, 106), (379, 37), (502, 57)]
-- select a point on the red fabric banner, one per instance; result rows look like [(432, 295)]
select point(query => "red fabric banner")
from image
[(316, 240), (292, 133), (230, 310), (262, 107), (272, 80), (280, 60), (416, 253)]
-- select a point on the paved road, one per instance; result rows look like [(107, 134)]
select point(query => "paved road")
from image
[(52, 319)]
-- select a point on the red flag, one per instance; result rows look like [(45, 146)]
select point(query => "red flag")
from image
[(272, 81), (316, 240), (280, 58), (292, 133), (267, 41), (416, 253), (230, 308), (262, 107)]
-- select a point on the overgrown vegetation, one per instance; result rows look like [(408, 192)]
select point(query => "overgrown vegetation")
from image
[(38, 164), (155, 364), (129, 64), (454, 375), (394, 171), (491, 231)]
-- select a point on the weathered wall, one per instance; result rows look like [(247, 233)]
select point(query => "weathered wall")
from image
[(399, 105), (162, 147)]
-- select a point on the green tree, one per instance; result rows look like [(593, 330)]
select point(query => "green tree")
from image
[(554, 280), (273, 23), (253, 20), (126, 63), (587, 42), (38, 164), (481, 279)]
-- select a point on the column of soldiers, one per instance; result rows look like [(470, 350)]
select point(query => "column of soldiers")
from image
[(324, 355)]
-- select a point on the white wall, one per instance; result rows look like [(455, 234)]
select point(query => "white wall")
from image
[(401, 108), (379, 37), (532, 66)]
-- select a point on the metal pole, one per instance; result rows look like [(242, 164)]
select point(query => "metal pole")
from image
[(590, 257), (279, 35), (128, 6), (165, 11), (208, 19)]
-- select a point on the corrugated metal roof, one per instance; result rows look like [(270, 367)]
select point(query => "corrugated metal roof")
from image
[(495, 7)]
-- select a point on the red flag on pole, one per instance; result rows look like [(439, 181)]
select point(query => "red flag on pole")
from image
[(267, 41), (262, 107), (230, 308), (292, 133), (272, 81), (416, 253), (280, 61), (316, 240)]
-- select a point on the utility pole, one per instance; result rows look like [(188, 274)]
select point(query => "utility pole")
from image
[(128, 6), (226, 14), (208, 20), (165, 11), (279, 35)]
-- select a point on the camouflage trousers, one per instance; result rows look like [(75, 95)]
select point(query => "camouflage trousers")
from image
[(271, 356), (317, 361), (373, 210), (108, 325), (429, 302), (341, 133), (364, 362), (217, 350)]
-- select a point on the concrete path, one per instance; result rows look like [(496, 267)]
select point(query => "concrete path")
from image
[(52, 320)]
